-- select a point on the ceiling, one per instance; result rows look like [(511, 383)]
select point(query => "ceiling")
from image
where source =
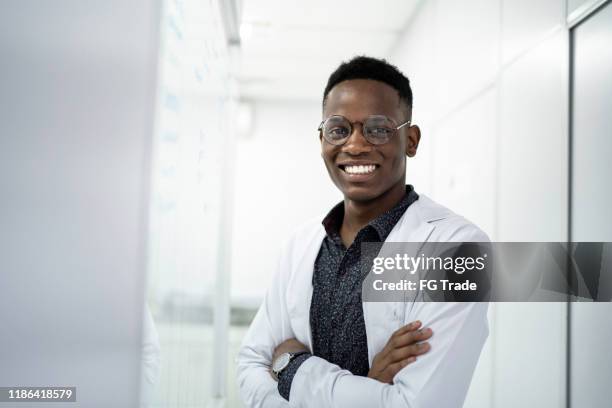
[(289, 48)]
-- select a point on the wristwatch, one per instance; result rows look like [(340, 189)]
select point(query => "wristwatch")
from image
[(281, 362)]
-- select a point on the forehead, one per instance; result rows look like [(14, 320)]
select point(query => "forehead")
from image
[(359, 98)]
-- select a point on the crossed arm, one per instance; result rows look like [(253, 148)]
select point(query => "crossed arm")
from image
[(439, 378), (402, 348)]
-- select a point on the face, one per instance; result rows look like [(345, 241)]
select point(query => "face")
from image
[(356, 100)]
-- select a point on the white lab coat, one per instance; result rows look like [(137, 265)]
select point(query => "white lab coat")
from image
[(437, 379)]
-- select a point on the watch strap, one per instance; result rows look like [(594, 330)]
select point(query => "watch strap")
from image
[(285, 378), (292, 356)]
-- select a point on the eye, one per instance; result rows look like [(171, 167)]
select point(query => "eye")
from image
[(338, 131), (380, 131)]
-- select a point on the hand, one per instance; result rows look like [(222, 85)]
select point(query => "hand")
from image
[(287, 346), (401, 349)]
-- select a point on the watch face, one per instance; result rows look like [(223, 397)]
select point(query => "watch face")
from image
[(281, 362)]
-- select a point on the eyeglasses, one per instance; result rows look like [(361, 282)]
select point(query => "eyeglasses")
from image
[(377, 129)]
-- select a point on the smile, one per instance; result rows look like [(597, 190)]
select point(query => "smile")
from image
[(359, 169)]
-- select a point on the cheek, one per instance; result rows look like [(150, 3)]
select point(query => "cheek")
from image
[(395, 159), (328, 158)]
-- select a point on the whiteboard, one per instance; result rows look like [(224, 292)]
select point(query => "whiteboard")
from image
[(190, 177)]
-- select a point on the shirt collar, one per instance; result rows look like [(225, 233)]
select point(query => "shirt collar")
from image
[(383, 224)]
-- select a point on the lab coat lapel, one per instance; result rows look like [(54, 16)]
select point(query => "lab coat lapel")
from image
[(383, 318), (300, 287)]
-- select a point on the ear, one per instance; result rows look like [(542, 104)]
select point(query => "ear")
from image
[(413, 138)]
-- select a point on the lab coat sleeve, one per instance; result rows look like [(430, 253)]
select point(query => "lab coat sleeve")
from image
[(269, 328), (438, 379)]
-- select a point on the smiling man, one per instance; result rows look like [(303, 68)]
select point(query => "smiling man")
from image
[(314, 342)]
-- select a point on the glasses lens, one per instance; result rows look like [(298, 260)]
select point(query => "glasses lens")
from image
[(336, 130), (378, 129)]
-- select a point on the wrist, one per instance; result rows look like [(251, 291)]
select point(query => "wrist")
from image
[(283, 360), (285, 377)]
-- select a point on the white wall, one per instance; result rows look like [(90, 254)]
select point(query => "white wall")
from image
[(281, 182), (591, 327), (78, 86), (490, 79)]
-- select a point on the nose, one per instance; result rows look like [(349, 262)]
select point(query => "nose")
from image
[(357, 143)]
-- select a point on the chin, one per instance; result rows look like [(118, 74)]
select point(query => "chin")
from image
[(360, 193)]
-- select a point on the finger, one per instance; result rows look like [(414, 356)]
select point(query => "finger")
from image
[(394, 340), (407, 352), (397, 340), (412, 337), (403, 363), (409, 360), (407, 328), (395, 368)]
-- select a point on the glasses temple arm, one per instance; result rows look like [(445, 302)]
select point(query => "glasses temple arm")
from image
[(402, 125)]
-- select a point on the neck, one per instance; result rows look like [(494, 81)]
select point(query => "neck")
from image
[(357, 214)]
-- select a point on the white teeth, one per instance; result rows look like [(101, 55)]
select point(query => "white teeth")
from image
[(360, 169)]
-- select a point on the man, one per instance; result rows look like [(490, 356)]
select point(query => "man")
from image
[(314, 342)]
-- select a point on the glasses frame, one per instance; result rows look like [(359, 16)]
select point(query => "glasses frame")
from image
[(352, 128)]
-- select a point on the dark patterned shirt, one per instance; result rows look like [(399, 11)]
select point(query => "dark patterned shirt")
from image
[(336, 314)]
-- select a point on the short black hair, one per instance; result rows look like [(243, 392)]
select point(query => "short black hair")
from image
[(364, 67)]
